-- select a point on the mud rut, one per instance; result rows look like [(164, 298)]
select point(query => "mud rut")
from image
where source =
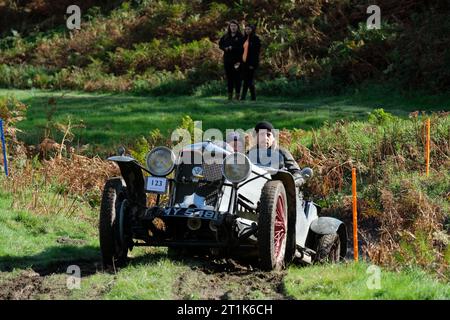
[(227, 279), (24, 286), (203, 279), (35, 283)]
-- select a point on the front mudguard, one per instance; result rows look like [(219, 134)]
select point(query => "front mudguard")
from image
[(134, 179), (329, 225)]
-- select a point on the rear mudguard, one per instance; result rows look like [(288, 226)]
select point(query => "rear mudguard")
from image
[(134, 179), (329, 225)]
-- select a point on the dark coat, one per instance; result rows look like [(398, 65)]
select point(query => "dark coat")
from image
[(282, 159), (230, 57), (254, 49)]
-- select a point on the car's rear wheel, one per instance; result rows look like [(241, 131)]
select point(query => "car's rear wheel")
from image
[(272, 226), (328, 248), (113, 249)]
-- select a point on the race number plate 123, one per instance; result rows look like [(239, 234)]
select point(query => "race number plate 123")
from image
[(156, 185)]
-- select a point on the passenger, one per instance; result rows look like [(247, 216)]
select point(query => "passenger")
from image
[(236, 142)]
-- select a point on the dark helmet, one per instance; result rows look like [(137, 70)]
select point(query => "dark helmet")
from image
[(264, 125)]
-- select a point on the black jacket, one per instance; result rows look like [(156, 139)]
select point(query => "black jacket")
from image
[(254, 49), (230, 57), (281, 159)]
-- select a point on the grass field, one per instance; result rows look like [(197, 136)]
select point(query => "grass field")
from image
[(113, 119), (37, 248), (356, 281)]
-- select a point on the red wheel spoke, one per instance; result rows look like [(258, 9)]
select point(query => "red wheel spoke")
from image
[(279, 226)]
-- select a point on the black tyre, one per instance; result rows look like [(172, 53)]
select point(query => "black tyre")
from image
[(272, 226), (114, 253), (328, 248)]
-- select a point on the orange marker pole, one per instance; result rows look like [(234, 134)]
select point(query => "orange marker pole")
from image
[(427, 149), (355, 216)]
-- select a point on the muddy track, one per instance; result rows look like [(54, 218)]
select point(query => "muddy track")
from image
[(25, 286), (35, 283), (220, 279), (227, 279)]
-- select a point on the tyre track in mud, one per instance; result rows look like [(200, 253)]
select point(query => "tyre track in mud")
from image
[(47, 282), (220, 279), (22, 287), (227, 280)]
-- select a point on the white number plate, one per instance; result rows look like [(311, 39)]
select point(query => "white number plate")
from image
[(156, 184)]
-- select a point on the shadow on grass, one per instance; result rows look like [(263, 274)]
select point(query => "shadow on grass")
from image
[(56, 260), (148, 258)]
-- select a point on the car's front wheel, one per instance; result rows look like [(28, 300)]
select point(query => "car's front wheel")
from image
[(114, 251), (272, 226)]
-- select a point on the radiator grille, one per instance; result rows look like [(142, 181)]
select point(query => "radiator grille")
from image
[(209, 188)]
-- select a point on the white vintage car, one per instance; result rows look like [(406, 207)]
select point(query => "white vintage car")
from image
[(216, 201)]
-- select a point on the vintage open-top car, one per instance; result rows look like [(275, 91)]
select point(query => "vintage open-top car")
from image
[(216, 201)]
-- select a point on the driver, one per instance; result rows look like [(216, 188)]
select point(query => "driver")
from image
[(266, 152)]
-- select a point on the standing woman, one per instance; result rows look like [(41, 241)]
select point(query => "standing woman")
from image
[(231, 44), (250, 60)]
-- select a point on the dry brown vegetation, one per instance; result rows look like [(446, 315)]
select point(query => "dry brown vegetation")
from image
[(403, 215)]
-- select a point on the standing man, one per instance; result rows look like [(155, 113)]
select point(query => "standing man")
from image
[(231, 45)]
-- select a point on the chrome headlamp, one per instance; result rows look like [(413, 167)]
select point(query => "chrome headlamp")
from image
[(236, 167), (160, 161)]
